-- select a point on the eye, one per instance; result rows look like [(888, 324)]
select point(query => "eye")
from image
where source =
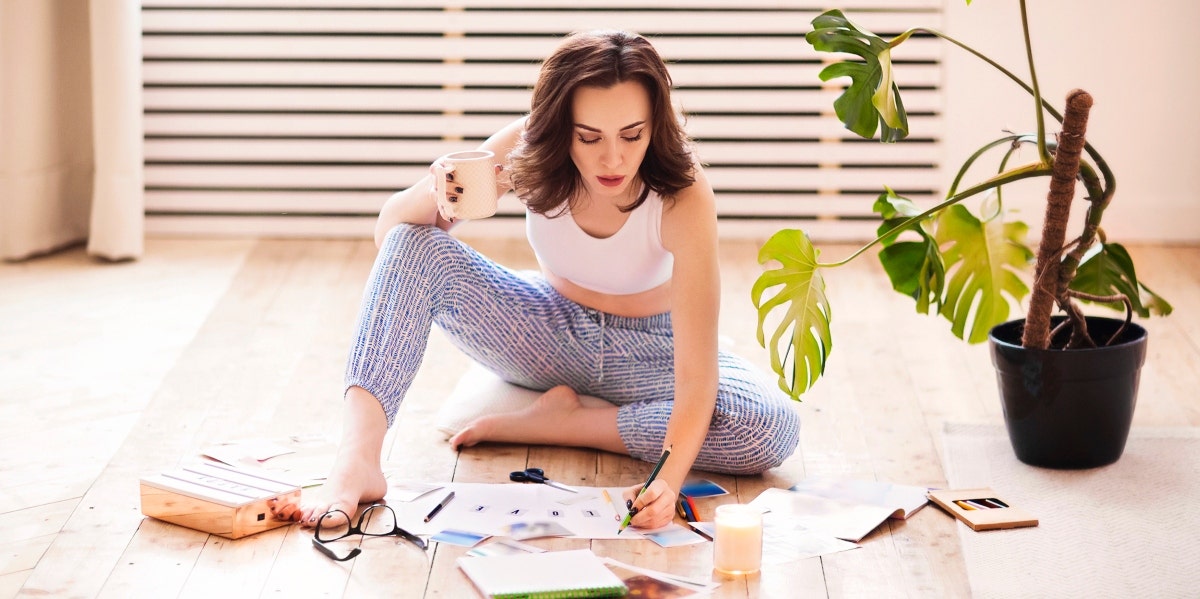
[(635, 138), (585, 140)]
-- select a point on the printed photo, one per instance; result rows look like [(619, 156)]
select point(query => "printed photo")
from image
[(460, 537), (673, 535)]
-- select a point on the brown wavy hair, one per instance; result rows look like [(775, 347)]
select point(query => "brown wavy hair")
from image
[(540, 165)]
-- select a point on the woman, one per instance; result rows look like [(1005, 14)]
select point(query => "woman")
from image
[(623, 223)]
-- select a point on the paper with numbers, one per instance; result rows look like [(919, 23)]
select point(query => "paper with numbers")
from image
[(493, 509)]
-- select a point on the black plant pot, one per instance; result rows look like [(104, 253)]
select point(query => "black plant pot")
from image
[(1069, 408)]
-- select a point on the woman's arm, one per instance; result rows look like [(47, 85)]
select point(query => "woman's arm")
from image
[(689, 232), (417, 205)]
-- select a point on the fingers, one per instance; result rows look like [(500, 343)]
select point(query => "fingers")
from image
[(449, 198), (446, 199), (654, 508)]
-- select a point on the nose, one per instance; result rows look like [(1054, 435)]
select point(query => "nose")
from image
[(610, 155)]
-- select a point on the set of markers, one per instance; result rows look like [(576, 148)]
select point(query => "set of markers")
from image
[(990, 503), (981, 509)]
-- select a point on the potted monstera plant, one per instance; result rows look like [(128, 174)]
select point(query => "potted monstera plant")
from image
[(1068, 381)]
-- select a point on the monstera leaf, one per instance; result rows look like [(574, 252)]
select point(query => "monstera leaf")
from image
[(1109, 271), (983, 259), (801, 342), (914, 267), (872, 100)]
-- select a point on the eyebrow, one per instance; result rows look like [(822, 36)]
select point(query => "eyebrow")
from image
[(595, 130)]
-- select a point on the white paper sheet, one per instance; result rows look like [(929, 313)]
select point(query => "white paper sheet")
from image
[(490, 508), (844, 520)]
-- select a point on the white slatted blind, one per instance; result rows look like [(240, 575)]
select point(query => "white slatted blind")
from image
[(303, 116)]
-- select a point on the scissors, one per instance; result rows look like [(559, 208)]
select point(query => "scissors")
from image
[(537, 475)]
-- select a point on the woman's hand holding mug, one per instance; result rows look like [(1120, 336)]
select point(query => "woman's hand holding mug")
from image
[(465, 185)]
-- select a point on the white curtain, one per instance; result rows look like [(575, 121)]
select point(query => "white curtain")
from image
[(70, 127)]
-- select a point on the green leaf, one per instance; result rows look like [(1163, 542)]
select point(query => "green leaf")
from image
[(914, 267), (872, 100), (894, 209), (983, 259), (916, 270), (801, 342), (1110, 271)]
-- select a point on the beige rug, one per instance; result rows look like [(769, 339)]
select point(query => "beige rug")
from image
[(1129, 529)]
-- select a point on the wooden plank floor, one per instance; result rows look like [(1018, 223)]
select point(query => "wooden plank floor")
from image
[(112, 371)]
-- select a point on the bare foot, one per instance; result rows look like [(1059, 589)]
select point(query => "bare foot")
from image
[(355, 479), (542, 422)]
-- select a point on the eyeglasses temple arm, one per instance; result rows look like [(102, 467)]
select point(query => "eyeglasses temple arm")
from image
[(333, 556)]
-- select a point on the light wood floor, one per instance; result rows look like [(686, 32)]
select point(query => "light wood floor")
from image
[(112, 371)]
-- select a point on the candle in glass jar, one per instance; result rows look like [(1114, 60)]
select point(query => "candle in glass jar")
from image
[(737, 546)]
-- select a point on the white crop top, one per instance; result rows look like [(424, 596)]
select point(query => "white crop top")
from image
[(632, 260)]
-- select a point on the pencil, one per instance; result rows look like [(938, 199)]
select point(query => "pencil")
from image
[(610, 501), (653, 474)]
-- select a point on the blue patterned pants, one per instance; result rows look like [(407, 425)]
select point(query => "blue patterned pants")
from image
[(518, 326)]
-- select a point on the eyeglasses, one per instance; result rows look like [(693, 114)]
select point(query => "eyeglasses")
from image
[(377, 520)]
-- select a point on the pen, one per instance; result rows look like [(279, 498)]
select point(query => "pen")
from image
[(653, 474), (437, 508)]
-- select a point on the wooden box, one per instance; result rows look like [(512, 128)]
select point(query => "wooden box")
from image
[(217, 499)]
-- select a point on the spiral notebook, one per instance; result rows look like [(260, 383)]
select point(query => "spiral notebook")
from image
[(575, 573)]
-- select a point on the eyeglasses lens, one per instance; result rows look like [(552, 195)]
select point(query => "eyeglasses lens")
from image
[(378, 520), (332, 526)]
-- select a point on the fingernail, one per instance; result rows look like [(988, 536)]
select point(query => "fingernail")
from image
[(628, 504), (449, 176), (453, 199), (458, 189), (633, 511)]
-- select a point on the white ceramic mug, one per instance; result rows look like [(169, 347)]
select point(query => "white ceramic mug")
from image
[(475, 173)]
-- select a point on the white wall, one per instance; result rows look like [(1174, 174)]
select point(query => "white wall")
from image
[(1138, 60)]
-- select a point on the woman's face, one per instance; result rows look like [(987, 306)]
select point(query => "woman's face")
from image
[(611, 135)]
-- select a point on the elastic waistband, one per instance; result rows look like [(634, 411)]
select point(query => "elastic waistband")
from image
[(656, 322), (642, 323)]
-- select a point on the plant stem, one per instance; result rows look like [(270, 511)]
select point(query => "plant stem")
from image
[(1098, 200), (1035, 169), (1109, 178), (1037, 92), (962, 171)]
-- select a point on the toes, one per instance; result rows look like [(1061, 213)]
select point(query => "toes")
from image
[(288, 513), (285, 511), (464, 438), (308, 515)]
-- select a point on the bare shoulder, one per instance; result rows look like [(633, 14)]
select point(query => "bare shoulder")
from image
[(692, 218)]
